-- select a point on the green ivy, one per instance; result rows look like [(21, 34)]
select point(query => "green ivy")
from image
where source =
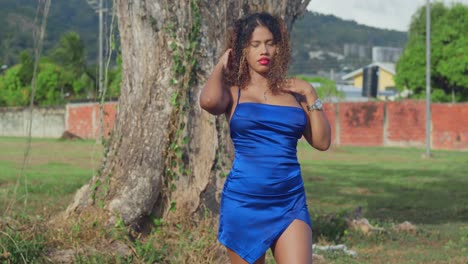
[(184, 69)]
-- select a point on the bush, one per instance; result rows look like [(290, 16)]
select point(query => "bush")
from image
[(332, 226), (12, 93), (49, 85)]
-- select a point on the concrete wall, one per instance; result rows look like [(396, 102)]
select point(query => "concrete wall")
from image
[(46, 122)]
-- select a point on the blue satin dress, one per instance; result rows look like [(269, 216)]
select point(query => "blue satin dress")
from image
[(264, 191)]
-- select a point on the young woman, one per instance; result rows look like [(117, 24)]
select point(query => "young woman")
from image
[(263, 203)]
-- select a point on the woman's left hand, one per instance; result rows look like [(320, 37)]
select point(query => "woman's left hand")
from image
[(301, 87)]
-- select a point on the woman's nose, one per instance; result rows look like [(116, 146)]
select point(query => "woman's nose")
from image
[(265, 49)]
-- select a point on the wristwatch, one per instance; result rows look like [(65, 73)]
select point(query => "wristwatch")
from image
[(317, 105)]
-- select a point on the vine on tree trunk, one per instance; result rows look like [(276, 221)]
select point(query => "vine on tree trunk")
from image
[(185, 65)]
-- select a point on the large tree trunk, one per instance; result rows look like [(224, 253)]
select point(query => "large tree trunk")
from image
[(167, 157)]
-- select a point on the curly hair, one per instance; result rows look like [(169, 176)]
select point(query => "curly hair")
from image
[(238, 39)]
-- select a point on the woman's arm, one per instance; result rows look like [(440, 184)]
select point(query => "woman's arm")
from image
[(318, 131), (215, 97)]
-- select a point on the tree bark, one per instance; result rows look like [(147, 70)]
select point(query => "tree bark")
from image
[(166, 156)]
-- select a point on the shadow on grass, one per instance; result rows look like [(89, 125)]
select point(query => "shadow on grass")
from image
[(421, 195)]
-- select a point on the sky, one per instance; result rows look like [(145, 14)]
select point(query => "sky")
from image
[(387, 14)]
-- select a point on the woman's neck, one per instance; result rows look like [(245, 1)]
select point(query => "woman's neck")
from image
[(258, 80)]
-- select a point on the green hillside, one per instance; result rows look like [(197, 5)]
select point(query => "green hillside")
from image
[(311, 32), (17, 24), (314, 31)]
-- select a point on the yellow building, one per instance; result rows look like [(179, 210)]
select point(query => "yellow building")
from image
[(385, 73)]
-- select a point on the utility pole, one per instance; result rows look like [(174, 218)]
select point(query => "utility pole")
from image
[(428, 78), (98, 7)]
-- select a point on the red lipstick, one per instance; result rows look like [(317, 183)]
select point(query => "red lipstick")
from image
[(264, 61)]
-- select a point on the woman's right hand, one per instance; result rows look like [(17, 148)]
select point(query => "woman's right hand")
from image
[(224, 60)]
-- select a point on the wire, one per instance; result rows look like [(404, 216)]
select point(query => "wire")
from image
[(106, 69)]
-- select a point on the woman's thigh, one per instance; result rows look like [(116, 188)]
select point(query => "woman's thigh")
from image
[(235, 259), (294, 246)]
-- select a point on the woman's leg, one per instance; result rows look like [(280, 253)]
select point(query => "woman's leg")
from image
[(294, 246), (235, 259)]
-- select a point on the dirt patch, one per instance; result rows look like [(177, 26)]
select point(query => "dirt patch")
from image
[(356, 190), (69, 136), (313, 178), (406, 227), (420, 179)]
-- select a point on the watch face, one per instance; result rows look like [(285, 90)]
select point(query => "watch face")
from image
[(318, 104)]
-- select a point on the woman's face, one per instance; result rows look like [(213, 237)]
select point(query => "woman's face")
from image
[(261, 50)]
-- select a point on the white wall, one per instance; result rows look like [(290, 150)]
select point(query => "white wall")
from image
[(47, 122)]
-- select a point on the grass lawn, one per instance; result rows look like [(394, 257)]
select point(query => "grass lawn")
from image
[(390, 185), (56, 169), (393, 185)]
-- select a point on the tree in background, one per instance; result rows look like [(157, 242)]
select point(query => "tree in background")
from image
[(71, 56), (15, 85), (26, 70), (453, 62), (327, 88), (49, 89), (12, 92), (15, 81), (449, 54), (63, 76)]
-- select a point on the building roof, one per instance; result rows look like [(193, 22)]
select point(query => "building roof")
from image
[(390, 67)]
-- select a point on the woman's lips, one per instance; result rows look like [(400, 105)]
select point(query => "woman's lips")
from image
[(264, 61)]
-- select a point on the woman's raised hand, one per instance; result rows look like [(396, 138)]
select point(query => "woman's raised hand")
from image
[(301, 87), (224, 60)]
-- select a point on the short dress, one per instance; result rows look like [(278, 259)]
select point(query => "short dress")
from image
[(264, 191)]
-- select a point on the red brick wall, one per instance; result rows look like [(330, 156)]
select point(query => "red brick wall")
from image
[(330, 111), (358, 124), (361, 124), (450, 126), (82, 119), (406, 123)]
